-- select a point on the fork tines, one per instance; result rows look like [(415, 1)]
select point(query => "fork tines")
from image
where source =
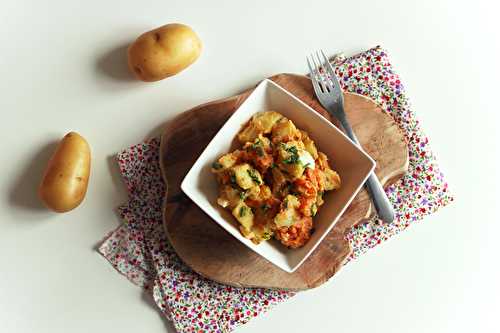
[(322, 73)]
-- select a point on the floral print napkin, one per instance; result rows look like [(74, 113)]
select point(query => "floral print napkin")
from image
[(140, 250)]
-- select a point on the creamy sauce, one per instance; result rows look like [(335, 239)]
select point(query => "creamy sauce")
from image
[(306, 159)]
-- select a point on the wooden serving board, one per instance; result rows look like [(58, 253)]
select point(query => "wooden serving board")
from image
[(211, 251)]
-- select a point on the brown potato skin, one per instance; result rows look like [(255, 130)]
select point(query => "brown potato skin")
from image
[(66, 177), (163, 52)]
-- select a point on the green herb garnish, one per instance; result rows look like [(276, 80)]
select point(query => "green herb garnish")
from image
[(243, 211), (216, 165), (266, 235), (254, 177), (314, 210), (257, 147), (294, 155), (291, 160), (234, 184), (243, 195)]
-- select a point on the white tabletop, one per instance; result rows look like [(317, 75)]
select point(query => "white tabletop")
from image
[(62, 69)]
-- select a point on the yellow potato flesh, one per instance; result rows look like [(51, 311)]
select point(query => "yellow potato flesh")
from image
[(163, 52), (66, 177)]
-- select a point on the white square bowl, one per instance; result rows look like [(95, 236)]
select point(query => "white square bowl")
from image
[(352, 164)]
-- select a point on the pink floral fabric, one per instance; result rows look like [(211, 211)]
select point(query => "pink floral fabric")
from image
[(140, 250)]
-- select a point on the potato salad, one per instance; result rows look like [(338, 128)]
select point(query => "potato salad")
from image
[(275, 182)]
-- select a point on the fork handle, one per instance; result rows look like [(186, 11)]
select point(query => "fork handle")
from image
[(380, 200)]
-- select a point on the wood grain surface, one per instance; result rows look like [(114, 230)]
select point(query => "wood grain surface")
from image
[(212, 252)]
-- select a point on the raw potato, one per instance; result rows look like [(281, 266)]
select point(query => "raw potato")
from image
[(65, 181), (163, 52)]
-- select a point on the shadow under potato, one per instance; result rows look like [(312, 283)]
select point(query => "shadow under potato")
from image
[(24, 190), (114, 64)]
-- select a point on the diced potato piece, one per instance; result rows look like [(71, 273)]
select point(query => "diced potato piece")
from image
[(306, 159), (266, 120), (247, 233), (329, 178), (225, 162), (319, 199), (223, 202), (259, 153), (284, 130), (332, 180), (253, 193), (286, 218), (242, 176), (261, 123), (291, 201), (286, 151), (244, 215), (295, 143), (289, 214), (259, 193), (257, 234), (265, 192), (289, 159), (261, 233), (246, 176), (294, 170), (260, 142), (228, 160), (322, 179), (309, 145), (230, 197), (249, 133), (322, 161), (266, 143), (314, 209)]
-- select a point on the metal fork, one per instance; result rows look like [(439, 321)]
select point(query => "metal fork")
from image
[(328, 91)]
